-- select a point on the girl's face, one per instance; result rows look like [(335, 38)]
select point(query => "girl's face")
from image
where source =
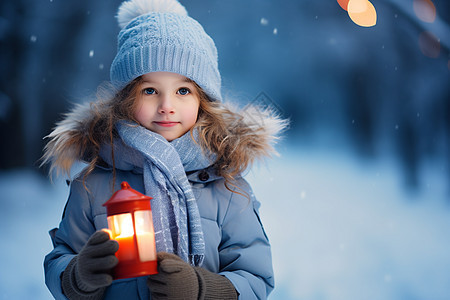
[(168, 104)]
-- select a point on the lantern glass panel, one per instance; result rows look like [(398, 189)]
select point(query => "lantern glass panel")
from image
[(145, 235), (121, 225), (122, 231)]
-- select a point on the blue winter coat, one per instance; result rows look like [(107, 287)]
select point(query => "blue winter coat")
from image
[(236, 244)]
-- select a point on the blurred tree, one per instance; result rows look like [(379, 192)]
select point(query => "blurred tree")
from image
[(12, 53), (44, 66), (372, 88)]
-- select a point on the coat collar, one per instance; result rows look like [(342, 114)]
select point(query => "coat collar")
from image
[(69, 141)]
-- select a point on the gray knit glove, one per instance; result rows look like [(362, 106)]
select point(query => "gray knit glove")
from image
[(89, 273), (176, 279)]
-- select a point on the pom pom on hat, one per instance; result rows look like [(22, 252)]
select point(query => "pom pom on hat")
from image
[(129, 10), (159, 36)]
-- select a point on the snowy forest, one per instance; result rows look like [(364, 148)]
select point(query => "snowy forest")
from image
[(357, 205)]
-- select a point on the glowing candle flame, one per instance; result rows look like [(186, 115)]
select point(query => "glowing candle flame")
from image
[(124, 223)]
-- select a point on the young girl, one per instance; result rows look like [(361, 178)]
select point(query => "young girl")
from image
[(166, 131)]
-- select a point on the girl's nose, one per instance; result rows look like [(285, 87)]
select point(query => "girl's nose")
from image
[(166, 105)]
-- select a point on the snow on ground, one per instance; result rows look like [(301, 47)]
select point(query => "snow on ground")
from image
[(344, 229), (29, 206), (340, 229)]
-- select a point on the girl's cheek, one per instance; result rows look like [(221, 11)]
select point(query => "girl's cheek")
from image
[(138, 110)]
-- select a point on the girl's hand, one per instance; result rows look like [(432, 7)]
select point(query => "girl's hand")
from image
[(91, 268), (176, 279)]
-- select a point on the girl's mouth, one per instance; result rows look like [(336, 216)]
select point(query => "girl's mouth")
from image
[(166, 123)]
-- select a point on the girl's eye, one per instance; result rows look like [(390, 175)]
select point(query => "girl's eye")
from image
[(149, 91), (183, 91)]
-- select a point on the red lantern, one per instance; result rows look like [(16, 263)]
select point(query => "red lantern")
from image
[(130, 221)]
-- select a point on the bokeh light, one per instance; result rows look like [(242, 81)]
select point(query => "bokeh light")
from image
[(357, 6), (425, 10), (362, 13), (343, 4), (429, 44)]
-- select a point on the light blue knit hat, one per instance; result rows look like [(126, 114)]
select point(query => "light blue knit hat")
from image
[(158, 35)]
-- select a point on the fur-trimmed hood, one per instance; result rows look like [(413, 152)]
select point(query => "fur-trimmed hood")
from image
[(69, 142)]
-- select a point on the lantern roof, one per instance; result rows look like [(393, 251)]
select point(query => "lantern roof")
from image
[(126, 200)]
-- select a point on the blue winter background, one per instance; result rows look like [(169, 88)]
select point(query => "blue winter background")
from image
[(357, 205)]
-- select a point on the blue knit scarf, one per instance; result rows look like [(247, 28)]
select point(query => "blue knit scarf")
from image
[(175, 212)]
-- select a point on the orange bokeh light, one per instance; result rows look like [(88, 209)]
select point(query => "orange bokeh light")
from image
[(343, 4), (362, 13), (429, 44), (425, 10), (357, 6)]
